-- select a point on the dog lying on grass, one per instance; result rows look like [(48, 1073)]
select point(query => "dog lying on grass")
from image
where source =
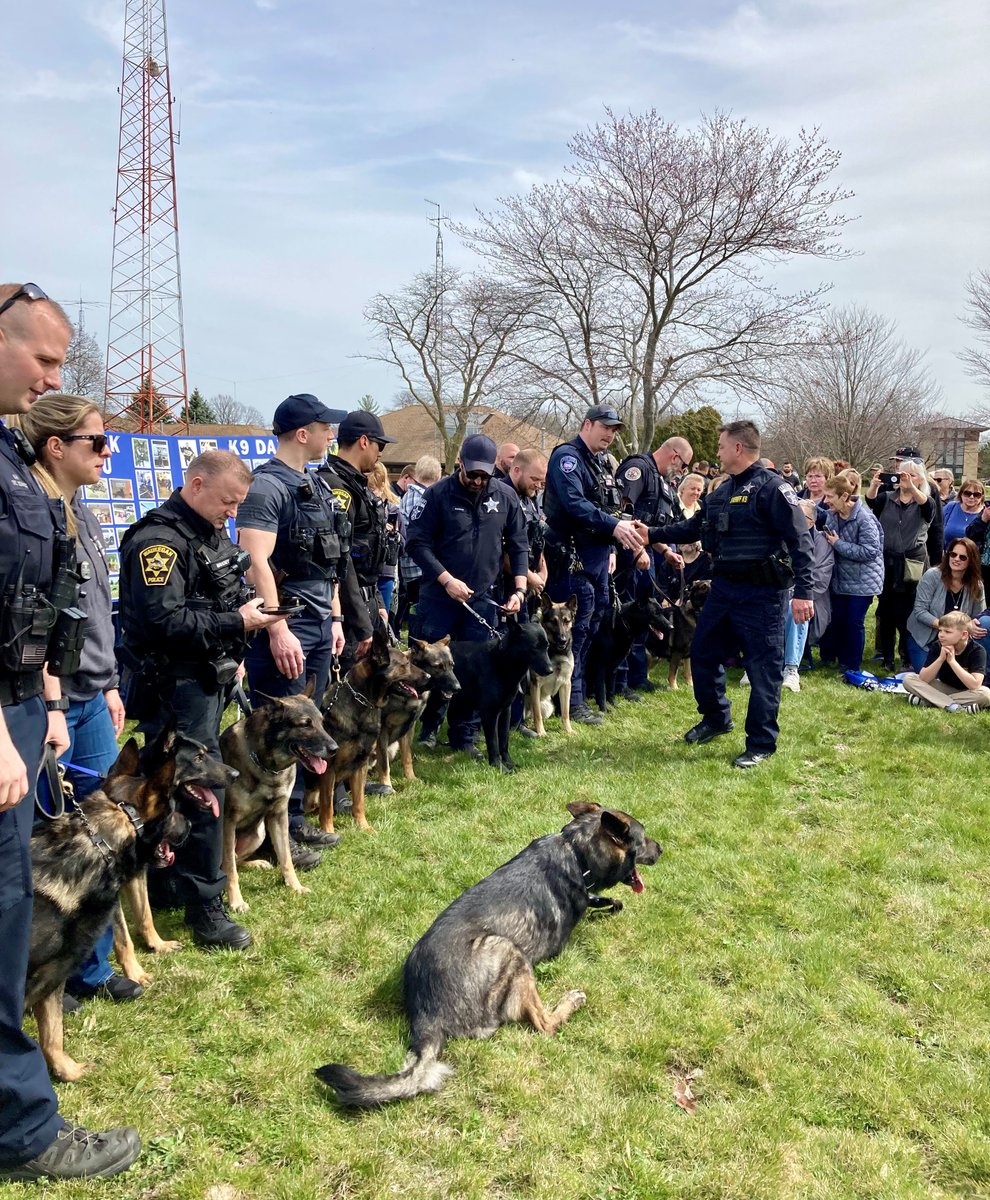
[(472, 971)]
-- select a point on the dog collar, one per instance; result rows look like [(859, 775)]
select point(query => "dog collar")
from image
[(131, 813), (261, 766)]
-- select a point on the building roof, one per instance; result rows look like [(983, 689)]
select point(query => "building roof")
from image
[(946, 423), (416, 434)]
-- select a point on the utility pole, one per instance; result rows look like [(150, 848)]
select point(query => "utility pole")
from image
[(146, 357)]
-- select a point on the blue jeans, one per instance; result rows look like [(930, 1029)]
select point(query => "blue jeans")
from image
[(918, 654), (92, 744), (795, 639)]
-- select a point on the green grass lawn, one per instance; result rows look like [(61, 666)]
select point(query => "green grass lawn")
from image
[(813, 941)]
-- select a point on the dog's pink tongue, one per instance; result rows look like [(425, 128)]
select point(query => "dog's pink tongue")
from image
[(207, 799), (314, 764), (166, 854), (637, 883)]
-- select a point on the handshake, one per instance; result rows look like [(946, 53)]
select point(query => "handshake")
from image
[(635, 537)]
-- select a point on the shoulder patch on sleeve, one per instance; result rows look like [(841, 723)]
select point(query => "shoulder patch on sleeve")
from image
[(789, 494), (156, 565), (344, 496), (632, 473), (568, 464)]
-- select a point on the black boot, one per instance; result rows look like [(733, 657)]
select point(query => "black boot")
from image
[(211, 926), (77, 1154)]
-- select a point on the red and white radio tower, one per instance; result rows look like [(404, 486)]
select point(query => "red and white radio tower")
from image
[(146, 357)]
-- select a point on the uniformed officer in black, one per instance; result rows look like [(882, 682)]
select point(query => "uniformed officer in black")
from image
[(360, 442), (582, 506), (527, 478), (35, 1141), (649, 496), (759, 539), (185, 622), (467, 523), (297, 534)]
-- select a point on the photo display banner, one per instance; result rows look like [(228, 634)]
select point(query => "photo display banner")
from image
[(145, 469)]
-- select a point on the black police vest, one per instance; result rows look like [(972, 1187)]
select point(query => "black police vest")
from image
[(601, 490), (219, 569), (536, 530), (732, 530), (657, 503), (369, 518), (320, 531), (27, 535)]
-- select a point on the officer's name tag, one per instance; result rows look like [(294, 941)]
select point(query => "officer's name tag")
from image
[(156, 565), (740, 499)]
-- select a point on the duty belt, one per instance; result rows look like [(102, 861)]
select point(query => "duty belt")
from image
[(17, 688), (368, 590)]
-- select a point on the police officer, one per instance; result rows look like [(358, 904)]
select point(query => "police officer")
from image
[(185, 620), (528, 478), (297, 535), (753, 527), (35, 1141), (582, 507), (649, 496), (360, 442), (467, 522), (504, 458)]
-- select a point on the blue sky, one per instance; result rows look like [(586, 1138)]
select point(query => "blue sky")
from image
[(311, 133)]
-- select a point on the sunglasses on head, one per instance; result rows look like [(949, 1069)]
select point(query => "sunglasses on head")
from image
[(30, 291), (97, 440)]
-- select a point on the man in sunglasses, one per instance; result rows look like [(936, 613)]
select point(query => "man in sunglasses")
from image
[(361, 439), (35, 1141), (458, 538)]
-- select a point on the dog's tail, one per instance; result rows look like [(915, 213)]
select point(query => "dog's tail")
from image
[(422, 1072)]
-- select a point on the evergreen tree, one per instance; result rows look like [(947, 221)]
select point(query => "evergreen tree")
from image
[(200, 412)]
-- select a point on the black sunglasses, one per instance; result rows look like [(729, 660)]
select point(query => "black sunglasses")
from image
[(477, 476), (974, 495), (97, 440), (30, 291)]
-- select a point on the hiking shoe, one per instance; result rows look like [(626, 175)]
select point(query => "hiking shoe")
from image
[(117, 988), (212, 927), (303, 858), (525, 731), (744, 681), (703, 732), (430, 741), (791, 680), (308, 835), (916, 700), (627, 693), (582, 715), (69, 1004), (377, 789), (77, 1154), (472, 752), (752, 758)]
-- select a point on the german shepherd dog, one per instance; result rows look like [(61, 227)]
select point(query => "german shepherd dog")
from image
[(402, 710), (558, 623), (264, 748), (490, 674), (352, 716), (684, 618), (619, 629), (197, 774), (472, 971), (79, 863)]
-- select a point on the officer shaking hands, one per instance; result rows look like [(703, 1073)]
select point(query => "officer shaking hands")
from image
[(758, 537), (186, 618), (582, 506)]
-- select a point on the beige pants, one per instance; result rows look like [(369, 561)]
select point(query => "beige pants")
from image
[(941, 695)]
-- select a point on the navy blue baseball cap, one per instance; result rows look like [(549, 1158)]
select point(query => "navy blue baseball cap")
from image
[(296, 411), (478, 453), (606, 415), (362, 424)]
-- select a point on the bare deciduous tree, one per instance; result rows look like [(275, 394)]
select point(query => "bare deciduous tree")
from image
[(858, 393), (644, 269), (229, 411), (450, 343), (84, 371), (978, 318)]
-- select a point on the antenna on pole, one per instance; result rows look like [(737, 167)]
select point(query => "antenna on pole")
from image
[(438, 298), (146, 357)]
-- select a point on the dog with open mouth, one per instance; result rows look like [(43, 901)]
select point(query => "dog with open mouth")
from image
[(472, 971), (80, 862), (352, 715), (265, 749)]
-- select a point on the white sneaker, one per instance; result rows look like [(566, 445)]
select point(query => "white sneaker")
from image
[(744, 682), (791, 680)]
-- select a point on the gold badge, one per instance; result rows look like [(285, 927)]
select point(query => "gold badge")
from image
[(344, 496), (156, 565)]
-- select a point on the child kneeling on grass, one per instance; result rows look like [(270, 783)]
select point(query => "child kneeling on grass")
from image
[(952, 678)]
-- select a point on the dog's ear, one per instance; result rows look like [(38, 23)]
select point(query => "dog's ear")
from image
[(546, 604), (310, 687), (615, 825), (127, 761), (572, 604), (418, 642), (165, 776), (581, 808), (444, 641)]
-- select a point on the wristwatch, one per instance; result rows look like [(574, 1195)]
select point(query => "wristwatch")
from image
[(57, 705)]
